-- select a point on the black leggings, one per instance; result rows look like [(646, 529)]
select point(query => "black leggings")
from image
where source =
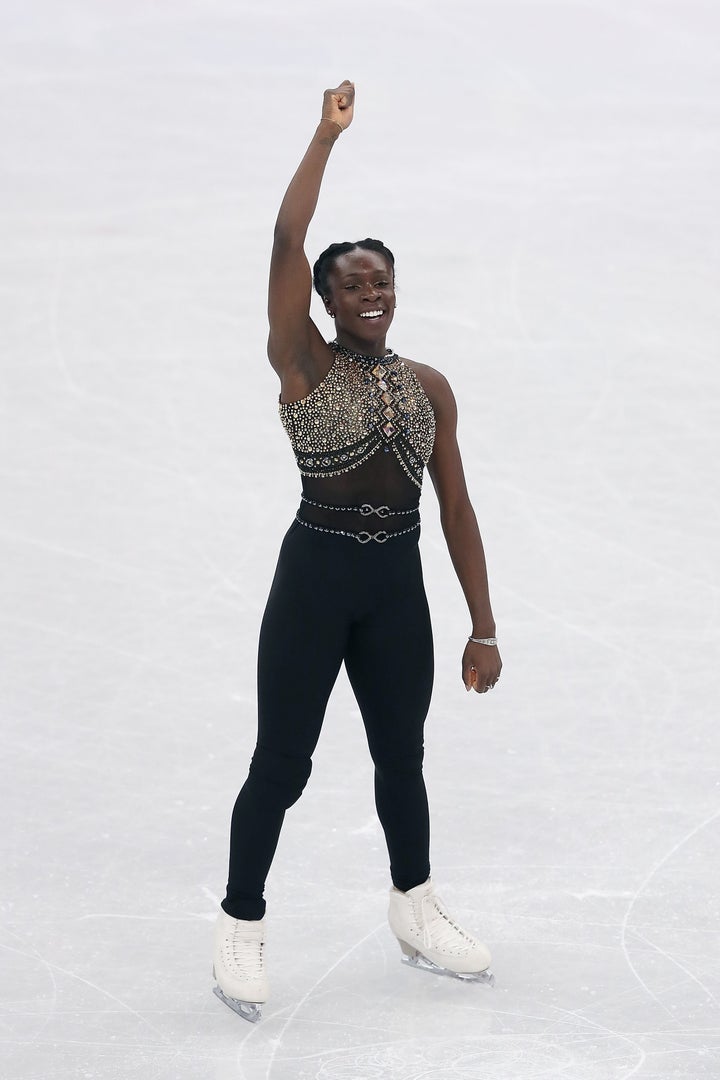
[(333, 600)]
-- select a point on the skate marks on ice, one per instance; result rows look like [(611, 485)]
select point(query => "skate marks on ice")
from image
[(467, 1057), (707, 842), (565, 1005), (357, 1020), (367, 1032), (50, 1012), (318, 982)]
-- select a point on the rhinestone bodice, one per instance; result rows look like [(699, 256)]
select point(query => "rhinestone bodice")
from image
[(361, 406)]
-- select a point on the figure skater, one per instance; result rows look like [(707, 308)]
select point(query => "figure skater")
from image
[(363, 424)]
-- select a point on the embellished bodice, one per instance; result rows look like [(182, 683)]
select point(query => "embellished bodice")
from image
[(363, 405)]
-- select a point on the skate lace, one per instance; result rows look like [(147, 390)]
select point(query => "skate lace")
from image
[(246, 954), (439, 930)]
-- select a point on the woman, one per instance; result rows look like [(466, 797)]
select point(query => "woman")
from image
[(348, 588)]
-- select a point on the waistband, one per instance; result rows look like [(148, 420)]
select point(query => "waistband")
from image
[(365, 509), (362, 537)]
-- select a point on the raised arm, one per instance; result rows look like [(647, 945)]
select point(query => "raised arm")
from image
[(296, 349)]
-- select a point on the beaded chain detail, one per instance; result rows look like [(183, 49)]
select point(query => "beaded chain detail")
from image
[(361, 537), (357, 410), (366, 509)]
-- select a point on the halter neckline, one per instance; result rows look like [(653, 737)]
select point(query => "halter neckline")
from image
[(362, 358)]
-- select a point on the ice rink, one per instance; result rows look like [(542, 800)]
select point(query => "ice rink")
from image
[(547, 176)]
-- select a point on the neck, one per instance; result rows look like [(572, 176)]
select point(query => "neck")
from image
[(354, 344)]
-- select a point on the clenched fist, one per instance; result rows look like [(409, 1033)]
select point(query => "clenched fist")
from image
[(338, 104)]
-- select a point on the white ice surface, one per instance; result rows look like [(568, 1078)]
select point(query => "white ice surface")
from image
[(547, 174)]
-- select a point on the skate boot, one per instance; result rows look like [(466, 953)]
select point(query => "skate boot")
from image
[(238, 965), (430, 939)]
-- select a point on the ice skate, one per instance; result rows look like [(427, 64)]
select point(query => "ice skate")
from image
[(239, 965), (431, 940)]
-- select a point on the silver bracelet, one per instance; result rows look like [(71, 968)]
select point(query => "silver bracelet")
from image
[(483, 640)]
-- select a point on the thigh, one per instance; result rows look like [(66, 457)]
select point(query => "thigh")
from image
[(302, 641), (389, 662)]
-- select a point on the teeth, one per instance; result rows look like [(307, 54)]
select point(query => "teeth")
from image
[(370, 314)]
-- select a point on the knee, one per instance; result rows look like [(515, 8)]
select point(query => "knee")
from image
[(399, 767), (280, 777)]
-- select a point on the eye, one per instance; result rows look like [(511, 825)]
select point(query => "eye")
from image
[(382, 283), (352, 286)]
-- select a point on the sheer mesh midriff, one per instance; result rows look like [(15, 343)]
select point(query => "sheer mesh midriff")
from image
[(380, 481)]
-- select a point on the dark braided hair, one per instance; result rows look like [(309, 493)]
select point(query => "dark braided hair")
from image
[(325, 262)]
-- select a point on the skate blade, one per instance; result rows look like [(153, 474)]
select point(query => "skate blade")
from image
[(417, 960), (247, 1009)]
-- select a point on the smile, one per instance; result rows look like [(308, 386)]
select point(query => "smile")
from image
[(371, 314)]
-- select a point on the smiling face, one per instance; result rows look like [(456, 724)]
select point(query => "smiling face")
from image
[(361, 294)]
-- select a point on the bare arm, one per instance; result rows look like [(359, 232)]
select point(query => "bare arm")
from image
[(461, 532), (296, 348)]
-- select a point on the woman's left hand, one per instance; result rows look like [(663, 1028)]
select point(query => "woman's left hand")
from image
[(481, 667)]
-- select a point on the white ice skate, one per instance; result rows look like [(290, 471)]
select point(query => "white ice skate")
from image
[(239, 965), (430, 939)]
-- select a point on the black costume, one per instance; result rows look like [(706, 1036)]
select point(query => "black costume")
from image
[(348, 587)]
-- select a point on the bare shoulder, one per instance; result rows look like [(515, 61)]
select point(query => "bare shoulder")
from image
[(434, 384)]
